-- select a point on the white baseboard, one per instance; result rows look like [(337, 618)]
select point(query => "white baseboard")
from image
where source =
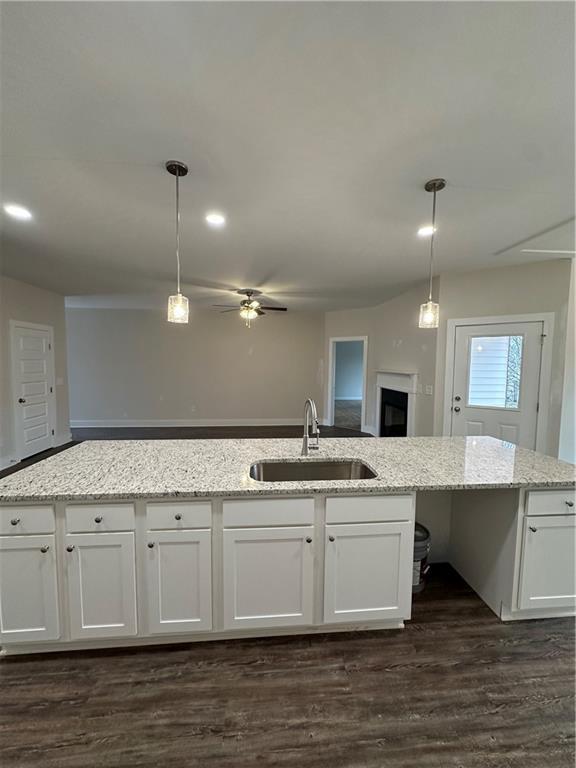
[(87, 423)]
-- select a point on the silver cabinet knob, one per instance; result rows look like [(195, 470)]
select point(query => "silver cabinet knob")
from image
[(533, 529), (457, 398), (98, 519), (569, 503), (331, 538), (456, 409), (70, 548), (308, 540), (178, 516), (150, 545), (44, 549), (15, 521)]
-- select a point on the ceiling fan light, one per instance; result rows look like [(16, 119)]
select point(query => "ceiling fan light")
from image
[(177, 309), (248, 313), (429, 315)]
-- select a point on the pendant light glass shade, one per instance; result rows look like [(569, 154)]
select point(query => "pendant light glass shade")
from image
[(429, 315), (177, 309), (430, 310)]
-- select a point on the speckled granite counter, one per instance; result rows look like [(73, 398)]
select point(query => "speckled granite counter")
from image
[(131, 469)]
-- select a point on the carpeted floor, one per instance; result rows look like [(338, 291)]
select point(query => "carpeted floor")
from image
[(348, 414)]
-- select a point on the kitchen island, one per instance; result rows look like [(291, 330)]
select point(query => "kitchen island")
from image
[(116, 543)]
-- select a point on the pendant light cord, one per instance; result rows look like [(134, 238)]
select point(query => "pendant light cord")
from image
[(178, 230), (432, 243)]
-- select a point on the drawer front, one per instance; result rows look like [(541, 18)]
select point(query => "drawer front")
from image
[(21, 520), (178, 515), (369, 509), (93, 518), (551, 502), (266, 512)]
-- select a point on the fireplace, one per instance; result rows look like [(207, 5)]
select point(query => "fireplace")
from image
[(393, 413)]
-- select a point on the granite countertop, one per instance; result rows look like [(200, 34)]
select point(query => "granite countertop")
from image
[(131, 469)]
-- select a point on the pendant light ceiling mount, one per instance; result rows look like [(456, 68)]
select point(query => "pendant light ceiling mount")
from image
[(177, 304), (430, 310), (435, 185)]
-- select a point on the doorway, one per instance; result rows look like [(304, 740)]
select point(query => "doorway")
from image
[(347, 382), (32, 352), (497, 379)]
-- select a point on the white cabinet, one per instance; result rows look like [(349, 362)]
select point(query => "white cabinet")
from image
[(547, 571), (28, 589), (179, 581), (268, 577), (100, 571), (368, 568)]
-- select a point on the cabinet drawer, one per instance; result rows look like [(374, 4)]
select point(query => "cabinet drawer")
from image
[(22, 520), (93, 518), (369, 509), (551, 502), (266, 512), (178, 515)]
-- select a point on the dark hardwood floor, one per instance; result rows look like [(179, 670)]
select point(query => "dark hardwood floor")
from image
[(455, 689), (177, 433)]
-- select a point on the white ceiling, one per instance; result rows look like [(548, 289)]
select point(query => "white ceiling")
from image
[(312, 125)]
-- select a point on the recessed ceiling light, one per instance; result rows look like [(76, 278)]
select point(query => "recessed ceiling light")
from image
[(426, 231), (215, 219), (17, 211)]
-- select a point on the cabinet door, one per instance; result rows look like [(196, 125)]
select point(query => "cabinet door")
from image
[(101, 584), (268, 577), (547, 573), (179, 581), (368, 570), (28, 589)]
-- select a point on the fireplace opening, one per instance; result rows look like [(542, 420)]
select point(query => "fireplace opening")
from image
[(393, 413)]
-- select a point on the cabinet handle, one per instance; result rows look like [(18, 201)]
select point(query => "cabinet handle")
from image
[(331, 538), (150, 545), (533, 529), (15, 521), (70, 548), (308, 540), (98, 519), (178, 516), (569, 503), (44, 549)]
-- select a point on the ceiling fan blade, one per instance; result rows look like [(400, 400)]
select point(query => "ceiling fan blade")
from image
[(223, 311), (230, 306), (259, 312), (276, 309)]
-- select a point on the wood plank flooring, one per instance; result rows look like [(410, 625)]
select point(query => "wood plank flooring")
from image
[(455, 689)]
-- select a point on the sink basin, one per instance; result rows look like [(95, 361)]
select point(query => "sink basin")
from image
[(284, 471)]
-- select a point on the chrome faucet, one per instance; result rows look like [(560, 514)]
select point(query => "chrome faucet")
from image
[(310, 415)]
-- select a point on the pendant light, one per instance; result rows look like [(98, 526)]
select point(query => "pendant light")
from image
[(177, 304), (430, 310)]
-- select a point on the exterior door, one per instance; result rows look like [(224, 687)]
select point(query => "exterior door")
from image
[(368, 572), (101, 584), (496, 381), (268, 576), (179, 581), (33, 383), (28, 589)]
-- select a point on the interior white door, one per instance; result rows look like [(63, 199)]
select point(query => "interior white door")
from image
[(368, 569), (100, 570), (33, 383), (548, 570), (496, 381), (179, 581), (28, 589), (268, 577)]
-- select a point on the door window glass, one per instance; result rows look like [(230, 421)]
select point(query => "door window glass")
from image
[(495, 369)]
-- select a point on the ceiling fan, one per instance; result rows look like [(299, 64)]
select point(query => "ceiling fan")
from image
[(250, 308)]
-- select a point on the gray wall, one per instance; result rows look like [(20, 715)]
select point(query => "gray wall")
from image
[(26, 303), (133, 366), (567, 450), (348, 370)]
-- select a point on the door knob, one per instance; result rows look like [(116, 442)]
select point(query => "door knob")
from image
[(457, 398), (21, 400), (456, 409), (70, 548), (308, 540), (331, 538), (44, 549), (150, 545)]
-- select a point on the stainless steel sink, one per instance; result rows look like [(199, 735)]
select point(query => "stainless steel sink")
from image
[(284, 471)]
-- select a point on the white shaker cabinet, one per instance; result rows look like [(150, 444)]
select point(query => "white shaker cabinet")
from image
[(100, 571), (28, 589), (179, 581), (548, 567), (368, 568), (268, 576)]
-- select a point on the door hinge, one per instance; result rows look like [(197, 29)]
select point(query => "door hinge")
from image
[(542, 337), (537, 407), (51, 390), (49, 345), (52, 431)]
